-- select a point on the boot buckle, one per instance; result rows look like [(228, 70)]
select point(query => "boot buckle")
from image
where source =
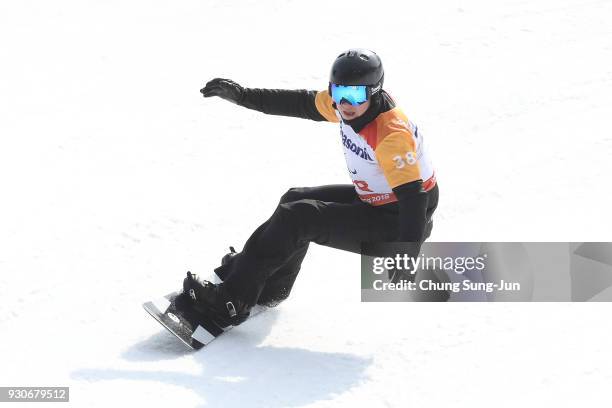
[(231, 309)]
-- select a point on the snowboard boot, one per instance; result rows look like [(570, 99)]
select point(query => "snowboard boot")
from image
[(223, 270), (227, 258), (276, 289), (214, 301)]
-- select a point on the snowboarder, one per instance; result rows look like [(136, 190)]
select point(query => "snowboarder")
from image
[(392, 198)]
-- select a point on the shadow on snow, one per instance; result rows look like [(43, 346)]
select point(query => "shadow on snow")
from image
[(236, 371)]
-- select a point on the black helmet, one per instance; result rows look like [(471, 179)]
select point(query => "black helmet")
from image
[(358, 66)]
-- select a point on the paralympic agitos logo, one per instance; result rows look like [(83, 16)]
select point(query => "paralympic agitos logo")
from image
[(359, 151)]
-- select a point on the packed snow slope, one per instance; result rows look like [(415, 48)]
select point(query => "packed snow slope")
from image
[(117, 177)]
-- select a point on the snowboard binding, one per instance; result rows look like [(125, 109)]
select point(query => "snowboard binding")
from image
[(214, 301)]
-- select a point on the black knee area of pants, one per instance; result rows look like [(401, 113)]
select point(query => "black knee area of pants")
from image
[(293, 194), (300, 218)]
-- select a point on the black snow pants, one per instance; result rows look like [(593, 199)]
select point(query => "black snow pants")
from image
[(266, 269)]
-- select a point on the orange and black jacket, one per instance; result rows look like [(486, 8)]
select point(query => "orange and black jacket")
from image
[(383, 149)]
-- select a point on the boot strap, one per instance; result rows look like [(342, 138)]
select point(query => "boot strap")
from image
[(231, 309)]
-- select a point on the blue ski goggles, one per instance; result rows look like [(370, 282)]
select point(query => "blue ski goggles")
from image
[(353, 94)]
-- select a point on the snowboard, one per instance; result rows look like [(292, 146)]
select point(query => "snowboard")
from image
[(191, 328)]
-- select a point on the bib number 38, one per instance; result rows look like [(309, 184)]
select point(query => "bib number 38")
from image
[(409, 159)]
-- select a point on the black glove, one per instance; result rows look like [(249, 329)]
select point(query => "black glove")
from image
[(223, 88)]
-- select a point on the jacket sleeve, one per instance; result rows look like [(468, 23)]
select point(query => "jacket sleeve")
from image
[(295, 103), (412, 206), (398, 159)]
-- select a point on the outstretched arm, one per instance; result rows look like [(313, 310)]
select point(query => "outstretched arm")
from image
[(296, 103)]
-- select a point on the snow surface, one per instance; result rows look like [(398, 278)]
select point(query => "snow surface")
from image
[(117, 177)]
